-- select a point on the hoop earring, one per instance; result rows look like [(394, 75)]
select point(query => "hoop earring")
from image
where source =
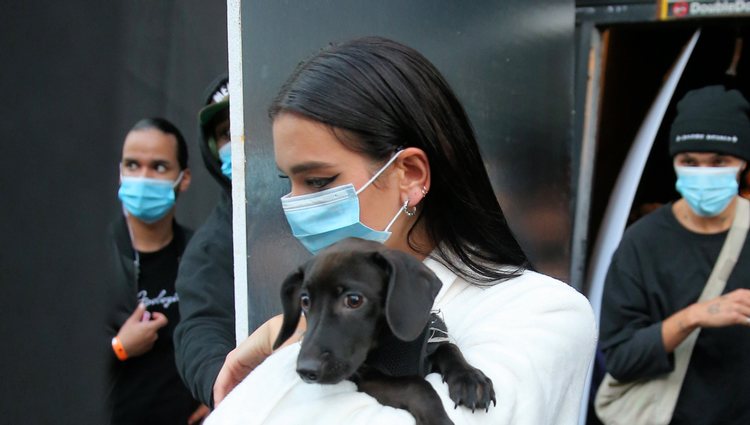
[(406, 209)]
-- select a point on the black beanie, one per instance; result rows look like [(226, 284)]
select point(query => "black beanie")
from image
[(712, 119)]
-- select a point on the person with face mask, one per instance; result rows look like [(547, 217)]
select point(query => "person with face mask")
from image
[(148, 243), (652, 299), (376, 145), (205, 281)]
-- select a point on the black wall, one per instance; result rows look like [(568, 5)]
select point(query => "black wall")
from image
[(74, 76), (510, 63)]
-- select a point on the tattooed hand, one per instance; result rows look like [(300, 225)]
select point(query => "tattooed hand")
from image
[(727, 310)]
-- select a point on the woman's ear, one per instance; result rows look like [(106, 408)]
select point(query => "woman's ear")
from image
[(414, 170)]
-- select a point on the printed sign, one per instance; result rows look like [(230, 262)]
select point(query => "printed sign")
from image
[(679, 9)]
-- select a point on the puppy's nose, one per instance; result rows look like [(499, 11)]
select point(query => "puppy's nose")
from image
[(309, 370)]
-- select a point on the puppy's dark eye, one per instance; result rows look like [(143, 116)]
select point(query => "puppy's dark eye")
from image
[(304, 301), (353, 300)]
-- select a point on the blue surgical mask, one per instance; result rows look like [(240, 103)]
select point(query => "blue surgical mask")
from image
[(708, 190), (323, 218), (147, 199), (225, 156)]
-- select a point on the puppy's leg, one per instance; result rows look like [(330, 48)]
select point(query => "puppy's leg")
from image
[(467, 385), (410, 393)]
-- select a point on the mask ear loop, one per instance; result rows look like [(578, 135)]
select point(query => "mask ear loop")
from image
[(395, 217), (385, 167), (405, 209), (179, 179), (369, 182)]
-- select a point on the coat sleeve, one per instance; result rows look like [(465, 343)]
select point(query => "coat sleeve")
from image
[(205, 285), (630, 334), (533, 336)]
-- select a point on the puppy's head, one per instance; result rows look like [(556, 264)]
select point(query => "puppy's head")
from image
[(347, 293)]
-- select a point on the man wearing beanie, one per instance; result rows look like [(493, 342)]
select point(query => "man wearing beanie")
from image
[(205, 281), (651, 296)]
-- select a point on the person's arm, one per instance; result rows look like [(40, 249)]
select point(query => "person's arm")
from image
[(727, 310), (251, 353), (205, 285), (631, 335), (635, 343), (535, 338)]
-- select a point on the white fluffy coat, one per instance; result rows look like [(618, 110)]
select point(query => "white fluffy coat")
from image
[(534, 336)]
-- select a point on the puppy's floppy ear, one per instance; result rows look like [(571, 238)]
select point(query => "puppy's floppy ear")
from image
[(290, 289), (412, 289)]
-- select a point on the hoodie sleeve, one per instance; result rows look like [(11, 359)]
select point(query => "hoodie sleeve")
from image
[(205, 285)]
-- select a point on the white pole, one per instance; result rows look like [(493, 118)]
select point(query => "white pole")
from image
[(237, 131)]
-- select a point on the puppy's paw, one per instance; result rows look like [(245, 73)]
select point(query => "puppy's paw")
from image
[(470, 387)]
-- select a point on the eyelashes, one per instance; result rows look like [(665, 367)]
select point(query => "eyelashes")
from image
[(320, 182), (313, 182)]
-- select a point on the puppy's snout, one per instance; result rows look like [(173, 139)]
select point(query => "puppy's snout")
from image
[(309, 370)]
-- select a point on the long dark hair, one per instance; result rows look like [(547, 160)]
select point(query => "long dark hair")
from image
[(387, 96)]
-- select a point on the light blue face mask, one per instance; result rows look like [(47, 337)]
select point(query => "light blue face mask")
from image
[(708, 190), (323, 218), (225, 156), (147, 199)]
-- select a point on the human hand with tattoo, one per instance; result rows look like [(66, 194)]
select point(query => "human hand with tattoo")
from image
[(730, 309)]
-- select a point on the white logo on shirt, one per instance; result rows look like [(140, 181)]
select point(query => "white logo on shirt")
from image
[(163, 299)]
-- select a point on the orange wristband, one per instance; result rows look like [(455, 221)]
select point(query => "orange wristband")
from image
[(119, 349)]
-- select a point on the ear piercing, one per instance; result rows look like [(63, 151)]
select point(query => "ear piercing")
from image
[(406, 209), (413, 210)]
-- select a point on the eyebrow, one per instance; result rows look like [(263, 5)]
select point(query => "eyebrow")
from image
[(308, 166), (152, 163)]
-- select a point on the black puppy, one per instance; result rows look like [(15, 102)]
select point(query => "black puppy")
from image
[(359, 297)]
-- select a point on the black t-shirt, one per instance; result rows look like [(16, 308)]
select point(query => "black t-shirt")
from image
[(147, 388), (660, 268)]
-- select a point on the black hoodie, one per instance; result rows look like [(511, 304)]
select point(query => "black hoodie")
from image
[(205, 284)]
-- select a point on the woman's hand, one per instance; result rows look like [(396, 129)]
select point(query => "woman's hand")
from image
[(198, 415), (250, 353)]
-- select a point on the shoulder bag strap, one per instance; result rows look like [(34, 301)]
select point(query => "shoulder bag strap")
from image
[(730, 251)]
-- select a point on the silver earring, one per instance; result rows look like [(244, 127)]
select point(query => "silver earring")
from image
[(424, 191), (406, 209)]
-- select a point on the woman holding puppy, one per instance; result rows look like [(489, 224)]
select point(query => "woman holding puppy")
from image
[(372, 125)]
